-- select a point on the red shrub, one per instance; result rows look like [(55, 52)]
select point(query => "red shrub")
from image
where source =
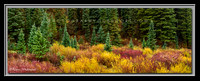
[(128, 53)]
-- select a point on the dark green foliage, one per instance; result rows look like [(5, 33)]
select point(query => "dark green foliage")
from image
[(107, 46), (184, 25), (86, 24), (81, 41), (100, 35), (151, 42), (45, 30), (72, 42), (66, 38), (164, 45), (40, 46), (52, 28), (93, 39), (21, 43), (131, 44), (31, 39), (75, 43), (73, 18), (37, 16), (143, 43), (16, 21)]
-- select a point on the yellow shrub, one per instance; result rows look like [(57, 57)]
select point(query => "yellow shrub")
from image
[(97, 48), (137, 48), (108, 58), (55, 47), (147, 51), (180, 68), (123, 66), (83, 65), (162, 70), (67, 51)]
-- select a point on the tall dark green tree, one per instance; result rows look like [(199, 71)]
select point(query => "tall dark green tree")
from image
[(108, 45), (143, 43), (37, 16), (45, 30), (72, 42), (40, 46), (86, 23), (93, 40), (131, 44), (53, 28), (151, 42), (66, 38), (75, 43), (16, 21), (176, 41), (81, 41), (21, 43), (184, 25), (31, 39), (100, 35)]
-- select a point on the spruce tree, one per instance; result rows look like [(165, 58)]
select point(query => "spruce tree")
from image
[(143, 43), (16, 21), (21, 43), (81, 41), (66, 38), (100, 35), (40, 46), (72, 42), (131, 44), (53, 28), (86, 24), (75, 43), (31, 39), (107, 46), (164, 45), (45, 30), (93, 40), (151, 42)]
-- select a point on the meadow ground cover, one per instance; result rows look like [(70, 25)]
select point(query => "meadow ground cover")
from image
[(94, 59)]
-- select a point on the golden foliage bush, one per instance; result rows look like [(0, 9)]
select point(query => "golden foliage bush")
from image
[(123, 66)]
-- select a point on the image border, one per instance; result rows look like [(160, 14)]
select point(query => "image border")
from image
[(6, 6)]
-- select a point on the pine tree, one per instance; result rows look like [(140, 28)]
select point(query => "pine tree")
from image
[(131, 44), (45, 30), (93, 40), (100, 35), (143, 43), (151, 42), (107, 46), (40, 46), (113, 27), (176, 41), (81, 41), (66, 38), (52, 27), (16, 21), (37, 16), (31, 39), (72, 42), (86, 23), (73, 17), (21, 43), (164, 45), (75, 43)]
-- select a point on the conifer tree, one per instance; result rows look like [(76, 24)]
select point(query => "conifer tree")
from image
[(16, 21), (31, 39), (52, 27), (72, 42), (45, 30), (100, 35), (40, 46), (164, 45), (93, 40), (131, 44), (176, 41), (107, 46), (66, 38), (75, 43), (21, 43), (143, 43), (86, 23), (81, 41), (151, 42)]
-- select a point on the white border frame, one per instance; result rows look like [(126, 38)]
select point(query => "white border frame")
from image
[(6, 6)]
